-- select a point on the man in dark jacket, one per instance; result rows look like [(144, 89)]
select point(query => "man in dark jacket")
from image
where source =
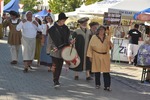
[(59, 38)]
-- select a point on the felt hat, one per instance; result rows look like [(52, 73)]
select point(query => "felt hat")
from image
[(62, 16), (14, 13), (82, 20)]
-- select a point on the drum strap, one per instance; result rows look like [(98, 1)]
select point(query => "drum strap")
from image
[(59, 34), (100, 52)]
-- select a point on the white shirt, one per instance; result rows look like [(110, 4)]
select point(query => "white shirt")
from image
[(29, 30), (118, 34), (14, 21), (45, 27), (50, 25), (0, 20)]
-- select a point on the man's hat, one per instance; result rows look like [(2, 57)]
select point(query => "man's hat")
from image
[(14, 13), (82, 20), (62, 16), (93, 23)]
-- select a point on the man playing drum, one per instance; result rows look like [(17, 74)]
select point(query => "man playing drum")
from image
[(59, 38)]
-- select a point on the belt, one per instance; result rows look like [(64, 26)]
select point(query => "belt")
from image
[(100, 52)]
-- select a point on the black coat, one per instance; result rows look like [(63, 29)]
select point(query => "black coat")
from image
[(59, 35)]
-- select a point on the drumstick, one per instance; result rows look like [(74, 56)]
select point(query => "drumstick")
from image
[(71, 49)]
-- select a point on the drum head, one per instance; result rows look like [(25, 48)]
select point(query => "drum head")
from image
[(74, 65), (67, 54)]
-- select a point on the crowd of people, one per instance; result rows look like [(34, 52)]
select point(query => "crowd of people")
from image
[(43, 39)]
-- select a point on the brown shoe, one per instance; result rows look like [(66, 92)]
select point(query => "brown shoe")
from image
[(13, 62), (25, 70), (89, 78)]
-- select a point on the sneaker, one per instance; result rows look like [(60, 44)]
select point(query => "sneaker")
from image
[(130, 63), (89, 78), (13, 62), (56, 84), (107, 89)]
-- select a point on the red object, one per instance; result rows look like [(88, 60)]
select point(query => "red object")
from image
[(49, 10), (1, 6)]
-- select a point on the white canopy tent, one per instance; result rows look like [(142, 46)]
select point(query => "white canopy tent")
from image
[(74, 14), (129, 7), (97, 8)]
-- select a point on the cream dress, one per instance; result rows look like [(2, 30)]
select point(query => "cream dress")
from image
[(100, 62)]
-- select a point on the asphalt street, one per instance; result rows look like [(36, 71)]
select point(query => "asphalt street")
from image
[(37, 84)]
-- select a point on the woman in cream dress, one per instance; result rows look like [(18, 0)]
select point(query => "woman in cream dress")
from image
[(98, 52)]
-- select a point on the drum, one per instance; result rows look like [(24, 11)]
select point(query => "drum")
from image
[(70, 55)]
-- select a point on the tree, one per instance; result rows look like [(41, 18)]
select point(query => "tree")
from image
[(87, 2), (58, 6), (29, 5), (6, 1)]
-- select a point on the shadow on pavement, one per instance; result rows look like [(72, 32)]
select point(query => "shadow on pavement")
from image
[(38, 84)]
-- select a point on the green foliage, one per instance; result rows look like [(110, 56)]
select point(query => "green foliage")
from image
[(6, 1), (29, 4), (87, 2), (58, 6)]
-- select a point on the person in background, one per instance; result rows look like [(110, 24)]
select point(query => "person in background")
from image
[(119, 32), (14, 37), (134, 36), (4, 21), (142, 55), (29, 29), (82, 40), (38, 40), (147, 41), (93, 30), (1, 28), (98, 52), (59, 38), (45, 58)]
